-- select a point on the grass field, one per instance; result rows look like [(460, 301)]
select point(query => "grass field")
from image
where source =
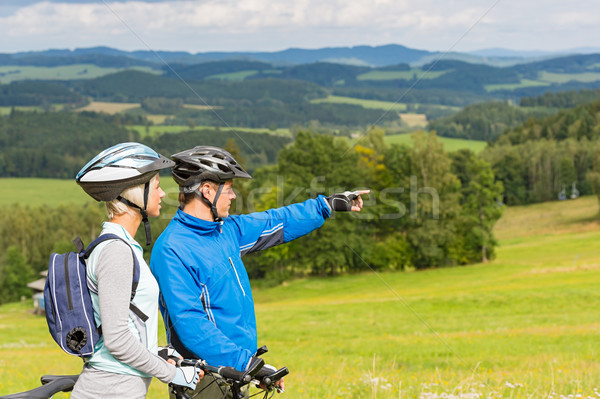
[(52, 192), (586, 77), (160, 129), (233, 76), (405, 75), (414, 120), (523, 326), (373, 104), (546, 79), (7, 110), (513, 86), (450, 144), (109, 108), (55, 191), (11, 73)]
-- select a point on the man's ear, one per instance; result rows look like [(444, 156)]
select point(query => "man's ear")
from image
[(205, 189)]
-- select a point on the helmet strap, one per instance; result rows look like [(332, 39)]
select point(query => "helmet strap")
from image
[(143, 211), (213, 205)]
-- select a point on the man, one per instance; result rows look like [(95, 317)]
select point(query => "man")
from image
[(206, 299)]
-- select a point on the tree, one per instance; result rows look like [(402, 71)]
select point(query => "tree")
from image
[(481, 210), (14, 276), (434, 203), (593, 176), (315, 164)]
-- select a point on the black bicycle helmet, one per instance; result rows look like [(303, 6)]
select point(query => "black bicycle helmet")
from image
[(202, 163), (119, 167)]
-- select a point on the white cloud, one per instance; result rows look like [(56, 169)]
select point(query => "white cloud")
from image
[(204, 25)]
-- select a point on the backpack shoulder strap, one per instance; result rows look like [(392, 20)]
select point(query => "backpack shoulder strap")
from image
[(136, 267)]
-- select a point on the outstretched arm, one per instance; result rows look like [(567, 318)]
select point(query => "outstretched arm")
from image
[(262, 230)]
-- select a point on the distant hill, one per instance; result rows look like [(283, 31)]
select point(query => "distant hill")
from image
[(55, 58), (371, 56), (358, 55)]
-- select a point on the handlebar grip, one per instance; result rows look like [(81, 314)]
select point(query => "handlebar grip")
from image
[(186, 362), (233, 374), (268, 376)]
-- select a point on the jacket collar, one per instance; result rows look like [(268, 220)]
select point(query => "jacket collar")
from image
[(200, 225)]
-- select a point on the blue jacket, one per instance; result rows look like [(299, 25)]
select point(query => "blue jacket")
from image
[(205, 295)]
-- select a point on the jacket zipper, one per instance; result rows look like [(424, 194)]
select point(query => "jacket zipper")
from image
[(237, 276), (68, 283)]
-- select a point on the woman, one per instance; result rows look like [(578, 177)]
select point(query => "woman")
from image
[(125, 359)]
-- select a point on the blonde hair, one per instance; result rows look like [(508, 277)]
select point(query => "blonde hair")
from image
[(134, 194)]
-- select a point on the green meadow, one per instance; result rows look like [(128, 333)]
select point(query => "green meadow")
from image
[(524, 325), (233, 76), (156, 130), (546, 78), (373, 104), (11, 73), (8, 110), (405, 75), (514, 86), (450, 144), (52, 192)]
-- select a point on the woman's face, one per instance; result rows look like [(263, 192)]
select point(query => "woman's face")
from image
[(155, 197)]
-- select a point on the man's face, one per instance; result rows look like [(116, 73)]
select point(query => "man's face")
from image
[(225, 198)]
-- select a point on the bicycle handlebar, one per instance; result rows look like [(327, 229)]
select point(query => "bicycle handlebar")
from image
[(264, 377), (269, 377), (229, 373)]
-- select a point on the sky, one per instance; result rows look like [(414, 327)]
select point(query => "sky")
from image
[(272, 25)]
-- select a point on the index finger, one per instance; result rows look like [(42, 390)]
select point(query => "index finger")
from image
[(361, 192)]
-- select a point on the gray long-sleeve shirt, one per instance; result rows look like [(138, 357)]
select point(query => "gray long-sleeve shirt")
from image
[(114, 274)]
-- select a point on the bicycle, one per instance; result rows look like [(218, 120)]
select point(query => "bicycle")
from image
[(51, 385), (264, 377), (233, 380)]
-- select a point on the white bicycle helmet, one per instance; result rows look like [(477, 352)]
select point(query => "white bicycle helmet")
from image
[(119, 167)]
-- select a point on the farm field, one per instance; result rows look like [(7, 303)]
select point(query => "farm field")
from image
[(405, 75), (108, 107), (524, 325), (373, 104), (586, 77), (11, 73), (156, 130), (414, 120), (546, 79), (450, 144), (233, 76), (52, 192), (7, 110), (513, 86)]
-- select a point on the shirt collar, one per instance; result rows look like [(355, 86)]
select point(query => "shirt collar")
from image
[(117, 229)]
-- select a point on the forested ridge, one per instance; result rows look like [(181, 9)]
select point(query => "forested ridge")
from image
[(538, 159), (58, 144)]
